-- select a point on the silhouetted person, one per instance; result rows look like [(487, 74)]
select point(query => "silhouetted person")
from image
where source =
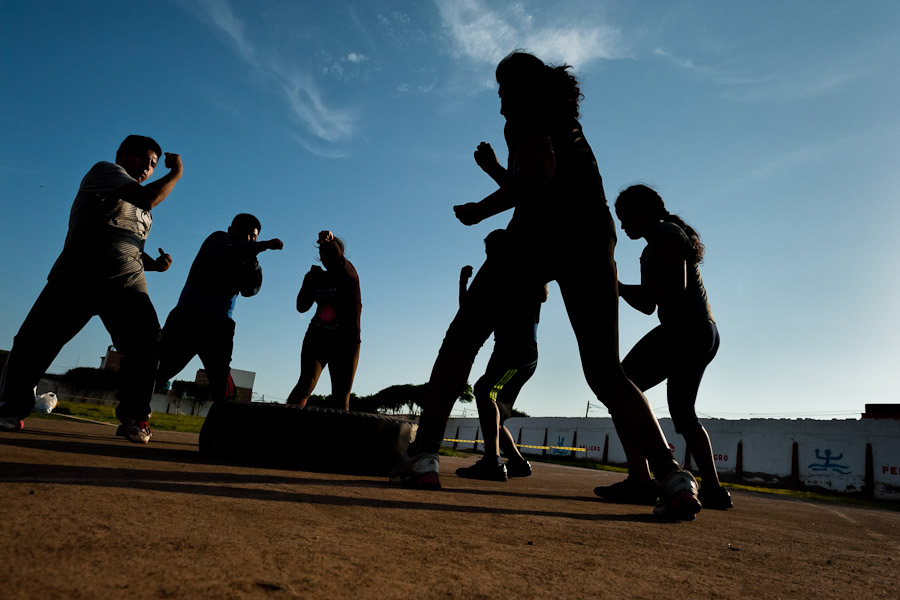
[(561, 230), (202, 322), (100, 272), (512, 363), (678, 350), (332, 338)]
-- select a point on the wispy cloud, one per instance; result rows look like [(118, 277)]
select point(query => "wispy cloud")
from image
[(303, 96), (486, 32)]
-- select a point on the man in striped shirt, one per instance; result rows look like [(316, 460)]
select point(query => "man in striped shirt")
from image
[(100, 271)]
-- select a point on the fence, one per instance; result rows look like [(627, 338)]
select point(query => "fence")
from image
[(841, 455)]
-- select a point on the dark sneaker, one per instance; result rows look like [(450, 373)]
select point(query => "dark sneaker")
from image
[(678, 497), (135, 431), (11, 424), (487, 469), (518, 468), (420, 471), (629, 491), (715, 497)]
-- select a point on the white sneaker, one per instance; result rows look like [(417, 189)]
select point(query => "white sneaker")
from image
[(678, 497), (135, 431), (420, 471)]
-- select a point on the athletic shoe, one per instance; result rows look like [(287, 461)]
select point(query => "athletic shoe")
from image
[(487, 469), (678, 497), (518, 468), (715, 497), (135, 431), (629, 491), (420, 471), (11, 424)]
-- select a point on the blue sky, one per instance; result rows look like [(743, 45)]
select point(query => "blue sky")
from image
[(771, 127)]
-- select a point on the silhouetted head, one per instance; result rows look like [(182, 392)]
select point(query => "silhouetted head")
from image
[(640, 208), (138, 155), (330, 254), (530, 89), (244, 228)]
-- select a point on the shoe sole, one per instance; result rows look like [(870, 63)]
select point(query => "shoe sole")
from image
[(17, 427), (681, 507), (428, 481)]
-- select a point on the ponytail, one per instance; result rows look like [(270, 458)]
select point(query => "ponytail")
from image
[(695, 256)]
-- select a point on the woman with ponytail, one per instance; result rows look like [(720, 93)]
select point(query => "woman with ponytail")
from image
[(561, 230), (678, 350)]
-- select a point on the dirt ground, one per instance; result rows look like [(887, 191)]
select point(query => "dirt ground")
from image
[(87, 515)]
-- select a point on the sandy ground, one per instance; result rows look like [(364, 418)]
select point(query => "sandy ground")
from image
[(87, 515)]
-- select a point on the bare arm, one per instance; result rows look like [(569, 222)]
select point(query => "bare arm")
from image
[(637, 297), (487, 160), (148, 196), (535, 166), (305, 297)]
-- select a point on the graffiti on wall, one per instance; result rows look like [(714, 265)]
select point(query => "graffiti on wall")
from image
[(827, 465)]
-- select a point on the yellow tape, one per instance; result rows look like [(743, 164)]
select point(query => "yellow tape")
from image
[(523, 445)]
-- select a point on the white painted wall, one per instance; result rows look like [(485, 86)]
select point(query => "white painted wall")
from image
[(831, 454)]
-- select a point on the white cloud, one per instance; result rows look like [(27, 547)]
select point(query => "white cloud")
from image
[(486, 32), (303, 96), (356, 58)]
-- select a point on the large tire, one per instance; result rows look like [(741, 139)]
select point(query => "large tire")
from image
[(308, 438)]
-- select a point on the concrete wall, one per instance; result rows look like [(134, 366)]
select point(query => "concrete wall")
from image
[(830, 454), (160, 403)]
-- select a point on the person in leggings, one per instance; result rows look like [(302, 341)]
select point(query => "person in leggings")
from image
[(561, 230), (332, 338), (676, 351), (512, 363)]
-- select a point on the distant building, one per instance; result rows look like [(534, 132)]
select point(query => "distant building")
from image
[(243, 382), (112, 360)]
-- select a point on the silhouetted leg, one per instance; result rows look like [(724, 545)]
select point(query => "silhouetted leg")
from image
[(312, 362), (646, 365), (215, 352), (692, 348), (468, 331), (342, 369), (57, 316), (592, 305), (132, 323), (178, 347)]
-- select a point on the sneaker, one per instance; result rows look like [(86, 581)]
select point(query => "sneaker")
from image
[(678, 497), (135, 431), (629, 491), (487, 469), (11, 424), (419, 472), (518, 468), (715, 497)]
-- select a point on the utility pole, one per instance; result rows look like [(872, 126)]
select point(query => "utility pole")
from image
[(587, 408)]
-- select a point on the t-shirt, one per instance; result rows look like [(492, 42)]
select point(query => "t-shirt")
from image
[(106, 234), (338, 301), (221, 270), (572, 201), (693, 302)]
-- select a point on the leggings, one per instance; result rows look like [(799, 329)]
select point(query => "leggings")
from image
[(677, 353)]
